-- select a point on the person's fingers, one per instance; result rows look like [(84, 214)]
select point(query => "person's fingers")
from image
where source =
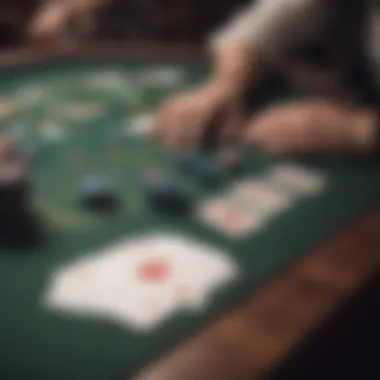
[(233, 125), (166, 118), (191, 127), (48, 22), (185, 121), (161, 120), (201, 126), (180, 126), (177, 132)]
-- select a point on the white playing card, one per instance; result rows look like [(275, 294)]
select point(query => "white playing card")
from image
[(141, 282), (106, 80), (52, 132), (261, 195), (164, 76), (298, 180), (140, 125), (81, 286), (229, 218), (82, 110), (145, 306), (30, 95), (198, 269)]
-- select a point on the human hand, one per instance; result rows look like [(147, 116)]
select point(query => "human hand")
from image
[(315, 127), (49, 23), (184, 119)]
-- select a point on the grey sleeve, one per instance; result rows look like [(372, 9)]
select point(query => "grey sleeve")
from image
[(273, 25)]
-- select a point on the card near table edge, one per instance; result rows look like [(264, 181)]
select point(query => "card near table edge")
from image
[(189, 355)]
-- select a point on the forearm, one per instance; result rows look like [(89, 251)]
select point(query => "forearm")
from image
[(367, 130), (359, 126), (260, 36), (238, 66)]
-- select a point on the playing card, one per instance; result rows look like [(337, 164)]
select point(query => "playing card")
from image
[(164, 76), (140, 125), (298, 180), (82, 287), (31, 95), (52, 132), (261, 195), (229, 218), (106, 80), (141, 282), (83, 110), (198, 269)]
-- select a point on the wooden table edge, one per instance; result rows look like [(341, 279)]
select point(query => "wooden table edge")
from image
[(26, 56), (254, 339)]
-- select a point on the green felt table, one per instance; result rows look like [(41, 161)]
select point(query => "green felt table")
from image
[(80, 113)]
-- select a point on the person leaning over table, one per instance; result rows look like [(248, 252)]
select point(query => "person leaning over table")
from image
[(329, 47), (53, 18)]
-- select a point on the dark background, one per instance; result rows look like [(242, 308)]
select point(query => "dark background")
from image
[(163, 20)]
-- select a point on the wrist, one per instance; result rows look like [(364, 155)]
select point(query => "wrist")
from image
[(237, 67), (225, 88), (366, 131)]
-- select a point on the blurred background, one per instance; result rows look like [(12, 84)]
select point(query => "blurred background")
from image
[(48, 21)]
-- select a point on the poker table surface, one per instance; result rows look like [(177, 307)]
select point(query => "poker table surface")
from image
[(85, 111)]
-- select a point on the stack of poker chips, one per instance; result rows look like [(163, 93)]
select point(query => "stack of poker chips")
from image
[(17, 226)]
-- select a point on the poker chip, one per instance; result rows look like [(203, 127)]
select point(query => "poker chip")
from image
[(189, 160), (17, 225), (97, 194), (198, 167), (207, 175), (163, 193), (229, 160)]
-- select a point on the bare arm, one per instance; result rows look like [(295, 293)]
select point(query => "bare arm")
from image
[(238, 67), (259, 38), (52, 16)]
